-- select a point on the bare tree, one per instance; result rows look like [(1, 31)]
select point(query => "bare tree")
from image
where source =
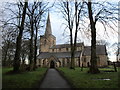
[(24, 50), (35, 15), (71, 12), (105, 16), (31, 19), (19, 40), (8, 36), (93, 67), (116, 50), (37, 26)]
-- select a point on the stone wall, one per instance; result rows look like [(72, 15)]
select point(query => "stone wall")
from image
[(64, 49), (101, 61), (46, 43)]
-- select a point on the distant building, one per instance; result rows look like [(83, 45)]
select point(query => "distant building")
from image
[(52, 55)]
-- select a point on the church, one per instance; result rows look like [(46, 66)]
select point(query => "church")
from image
[(52, 55)]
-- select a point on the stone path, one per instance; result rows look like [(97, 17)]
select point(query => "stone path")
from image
[(54, 80)]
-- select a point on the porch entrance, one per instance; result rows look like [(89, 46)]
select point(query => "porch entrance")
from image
[(52, 64)]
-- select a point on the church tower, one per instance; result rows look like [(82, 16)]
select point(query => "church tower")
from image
[(47, 40)]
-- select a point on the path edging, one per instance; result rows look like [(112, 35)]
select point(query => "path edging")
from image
[(44, 75), (61, 73)]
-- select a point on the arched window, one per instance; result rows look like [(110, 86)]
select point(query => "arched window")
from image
[(60, 49), (43, 62), (66, 49), (52, 50)]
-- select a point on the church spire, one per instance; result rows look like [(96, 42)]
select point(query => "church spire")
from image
[(48, 30)]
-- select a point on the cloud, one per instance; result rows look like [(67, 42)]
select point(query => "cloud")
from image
[(57, 27)]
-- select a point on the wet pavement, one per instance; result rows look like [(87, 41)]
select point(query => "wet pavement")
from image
[(54, 80)]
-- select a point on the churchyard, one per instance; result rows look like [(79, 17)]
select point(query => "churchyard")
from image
[(76, 78)]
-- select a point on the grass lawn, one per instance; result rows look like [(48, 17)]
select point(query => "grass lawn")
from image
[(22, 80), (82, 79)]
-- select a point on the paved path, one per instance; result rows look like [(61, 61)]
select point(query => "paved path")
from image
[(54, 80)]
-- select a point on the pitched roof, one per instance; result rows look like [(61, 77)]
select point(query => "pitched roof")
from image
[(65, 45), (100, 50), (44, 55)]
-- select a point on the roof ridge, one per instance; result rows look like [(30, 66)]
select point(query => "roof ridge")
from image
[(64, 45)]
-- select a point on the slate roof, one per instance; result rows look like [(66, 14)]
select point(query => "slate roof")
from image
[(100, 50), (44, 55), (65, 45)]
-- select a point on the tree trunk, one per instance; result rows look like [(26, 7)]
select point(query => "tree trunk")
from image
[(79, 62), (16, 64), (31, 53), (93, 67), (82, 67), (72, 52), (71, 38), (35, 46), (76, 30), (114, 67), (31, 45), (72, 59)]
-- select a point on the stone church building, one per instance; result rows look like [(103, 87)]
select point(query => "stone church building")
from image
[(52, 55)]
